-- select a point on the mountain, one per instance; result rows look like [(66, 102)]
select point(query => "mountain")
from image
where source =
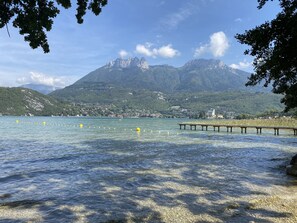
[(132, 84), (195, 76), (43, 89), (210, 75), (22, 101)]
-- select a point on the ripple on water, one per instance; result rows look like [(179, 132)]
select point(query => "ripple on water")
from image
[(88, 175)]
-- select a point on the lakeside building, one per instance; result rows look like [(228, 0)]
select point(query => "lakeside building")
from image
[(211, 113)]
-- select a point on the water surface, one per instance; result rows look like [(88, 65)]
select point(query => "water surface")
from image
[(56, 170)]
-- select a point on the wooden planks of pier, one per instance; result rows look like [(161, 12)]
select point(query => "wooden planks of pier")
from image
[(229, 128)]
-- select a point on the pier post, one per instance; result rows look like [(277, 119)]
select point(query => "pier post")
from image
[(259, 130), (276, 131), (216, 126), (195, 127), (202, 126), (182, 125), (243, 128)]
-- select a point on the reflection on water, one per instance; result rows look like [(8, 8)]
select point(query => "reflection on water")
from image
[(107, 172)]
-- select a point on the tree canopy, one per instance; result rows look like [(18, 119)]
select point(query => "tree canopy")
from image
[(273, 46), (35, 17)]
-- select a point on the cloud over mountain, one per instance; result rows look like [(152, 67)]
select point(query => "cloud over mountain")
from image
[(39, 78), (166, 51), (241, 65), (123, 53), (217, 46)]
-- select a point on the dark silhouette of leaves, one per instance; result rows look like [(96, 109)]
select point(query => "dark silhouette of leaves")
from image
[(34, 18), (273, 46)]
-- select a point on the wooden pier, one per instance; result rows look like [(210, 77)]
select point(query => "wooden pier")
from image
[(229, 127)]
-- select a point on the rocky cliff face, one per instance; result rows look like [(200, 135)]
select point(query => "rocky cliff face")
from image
[(128, 63), (204, 64)]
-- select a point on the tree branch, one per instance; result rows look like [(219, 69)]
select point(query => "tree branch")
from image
[(7, 30)]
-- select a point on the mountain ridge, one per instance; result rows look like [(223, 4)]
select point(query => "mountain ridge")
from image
[(194, 87), (194, 76), (41, 88)]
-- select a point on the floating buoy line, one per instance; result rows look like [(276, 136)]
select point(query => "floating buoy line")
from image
[(82, 126)]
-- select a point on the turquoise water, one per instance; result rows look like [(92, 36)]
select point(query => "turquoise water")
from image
[(56, 170)]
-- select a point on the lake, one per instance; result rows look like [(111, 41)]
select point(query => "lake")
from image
[(81, 169)]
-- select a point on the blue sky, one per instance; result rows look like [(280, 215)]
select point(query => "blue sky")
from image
[(163, 31)]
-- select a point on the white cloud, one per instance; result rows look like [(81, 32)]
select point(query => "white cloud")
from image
[(166, 51), (183, 12), (175, 19), (172, 20), (123, 53), (217, 46), (238, 20), (144, 50), (39, 78), (201, 50), (241, 65)]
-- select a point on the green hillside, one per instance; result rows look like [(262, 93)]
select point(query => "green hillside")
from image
[(131, 84), (124, 99), (22, 101), (239, 102)]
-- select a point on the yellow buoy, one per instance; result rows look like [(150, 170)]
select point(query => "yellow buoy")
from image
[(81, 125), (17, 121), (44, 123), (137, 129)]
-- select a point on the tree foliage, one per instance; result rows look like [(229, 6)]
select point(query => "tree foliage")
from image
[(34, 18), (273, 46)]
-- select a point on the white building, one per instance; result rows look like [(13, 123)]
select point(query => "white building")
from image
[(211, 113)]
